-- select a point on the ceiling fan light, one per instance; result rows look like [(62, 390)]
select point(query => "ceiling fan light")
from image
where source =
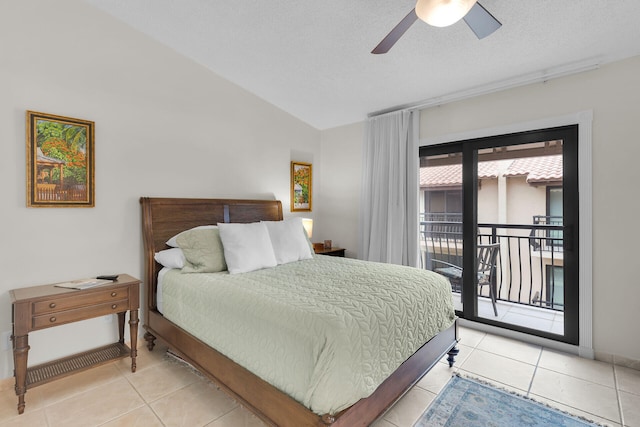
[(442, 13)]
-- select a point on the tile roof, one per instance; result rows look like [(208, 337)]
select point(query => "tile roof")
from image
[(440, 176), (536, 169), (446, 176)]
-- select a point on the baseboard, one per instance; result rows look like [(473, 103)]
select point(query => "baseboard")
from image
[(585, 352), (617, 360)]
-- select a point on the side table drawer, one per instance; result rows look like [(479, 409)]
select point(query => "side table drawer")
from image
[(62, 317), (67, 302)]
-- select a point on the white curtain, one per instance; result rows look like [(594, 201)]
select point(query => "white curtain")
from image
[(390, 185)]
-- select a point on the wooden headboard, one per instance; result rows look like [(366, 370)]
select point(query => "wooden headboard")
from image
[(163, 218)]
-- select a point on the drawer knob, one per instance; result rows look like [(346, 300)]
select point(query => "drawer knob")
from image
[(114, 306), (52, 319), (52, 305), (113, 294)]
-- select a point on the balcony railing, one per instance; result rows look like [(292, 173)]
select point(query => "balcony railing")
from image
[(528, 266)]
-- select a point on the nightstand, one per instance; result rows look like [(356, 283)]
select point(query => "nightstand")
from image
[(40, 307), (331, 252)]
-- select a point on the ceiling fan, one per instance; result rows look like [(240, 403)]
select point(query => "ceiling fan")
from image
[(442, 13)]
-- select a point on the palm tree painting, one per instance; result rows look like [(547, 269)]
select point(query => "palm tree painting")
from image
[(60, 161)]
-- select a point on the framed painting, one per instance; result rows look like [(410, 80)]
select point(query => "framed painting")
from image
[(300, 187), (60, 161)]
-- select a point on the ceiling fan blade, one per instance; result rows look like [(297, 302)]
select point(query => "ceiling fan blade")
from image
[(395, 34), (481, 22)]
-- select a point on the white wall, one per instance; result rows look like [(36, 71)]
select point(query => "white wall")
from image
[(338, 210), (612, 92), (165, 126)]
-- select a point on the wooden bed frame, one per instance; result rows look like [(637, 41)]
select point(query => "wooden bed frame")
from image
[(163, 218)]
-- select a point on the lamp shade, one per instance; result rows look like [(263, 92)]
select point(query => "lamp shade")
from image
[(442, 13), (307, 223)]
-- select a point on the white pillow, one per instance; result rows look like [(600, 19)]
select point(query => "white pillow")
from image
[(170, 258), (289, 240), (173, 241), (247, 247)]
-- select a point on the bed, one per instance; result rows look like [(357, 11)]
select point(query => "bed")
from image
[(163, 218)]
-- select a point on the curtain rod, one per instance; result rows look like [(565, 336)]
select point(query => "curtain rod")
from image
[(537, 77)]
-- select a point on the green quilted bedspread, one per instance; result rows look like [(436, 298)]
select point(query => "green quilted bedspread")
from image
[(326, 331)]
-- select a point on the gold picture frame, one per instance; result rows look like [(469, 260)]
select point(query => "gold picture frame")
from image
[(60, 161), (301, 194)]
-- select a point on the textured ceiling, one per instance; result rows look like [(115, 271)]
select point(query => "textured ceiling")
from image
[(312, 58)]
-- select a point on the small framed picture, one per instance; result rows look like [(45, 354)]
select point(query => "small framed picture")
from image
[(60, 161), (300, 187)]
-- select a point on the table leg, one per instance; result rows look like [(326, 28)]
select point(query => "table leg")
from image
[(121, 326), (133, 331), (20, 353)]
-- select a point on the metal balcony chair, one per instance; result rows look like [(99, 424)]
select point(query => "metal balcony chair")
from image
[(486, 271)]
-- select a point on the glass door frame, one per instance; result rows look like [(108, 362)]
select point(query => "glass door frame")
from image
[(469, 149)]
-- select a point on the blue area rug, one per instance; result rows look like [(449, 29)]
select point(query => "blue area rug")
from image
[(467, 403)]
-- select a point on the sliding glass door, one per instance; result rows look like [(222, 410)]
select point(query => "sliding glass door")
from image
[(441, 243), (505, 209)]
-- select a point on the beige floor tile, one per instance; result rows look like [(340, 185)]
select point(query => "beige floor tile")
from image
[(511, 348), (9, 405), (194, 405), (73, 385), (470, 337), (437, 378), (465, 351), (239, 417), (141, 417), (628, 379), (144, 360), (407, 411), (7, 384), (161, 379), (382, 423), (499, 368), (630, 409), (28, 419), (579, 367), (96, 406), (585, 395)]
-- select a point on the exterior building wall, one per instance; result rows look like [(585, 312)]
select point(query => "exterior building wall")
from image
[(523, 268)]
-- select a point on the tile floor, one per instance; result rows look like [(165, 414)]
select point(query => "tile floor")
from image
[(164, 393), (519, 314)]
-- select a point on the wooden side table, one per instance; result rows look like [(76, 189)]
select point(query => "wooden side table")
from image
[(331, 252), (46, 306)]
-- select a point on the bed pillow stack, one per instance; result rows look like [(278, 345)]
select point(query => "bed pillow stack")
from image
[(238, 248)]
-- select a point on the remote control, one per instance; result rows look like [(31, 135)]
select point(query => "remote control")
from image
[(112, 277)]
